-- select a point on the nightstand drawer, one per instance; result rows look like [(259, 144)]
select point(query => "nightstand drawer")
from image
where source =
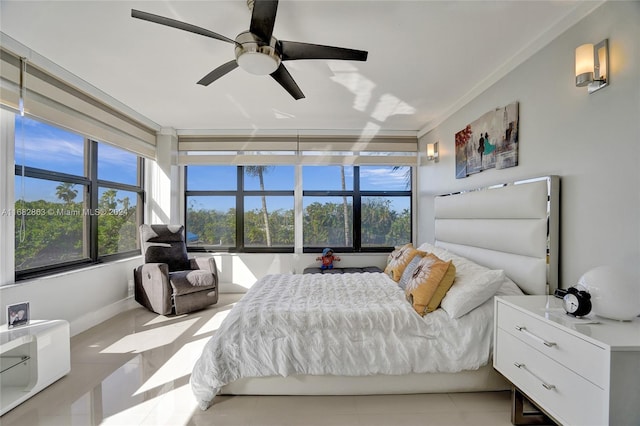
[(563, 393), (584, 358)]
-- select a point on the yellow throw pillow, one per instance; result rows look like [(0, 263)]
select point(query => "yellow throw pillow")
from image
[(430, 273), (443, 288), (398, 261)]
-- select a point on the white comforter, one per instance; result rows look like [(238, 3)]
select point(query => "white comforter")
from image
[(336, 324)]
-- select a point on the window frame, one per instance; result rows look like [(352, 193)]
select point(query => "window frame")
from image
[(239, 193), (357, 195), (92, 185), (140, 204)]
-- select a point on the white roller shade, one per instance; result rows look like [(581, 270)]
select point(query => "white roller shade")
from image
[(405, 144), (237, 149), (49, 98), (288, 149)]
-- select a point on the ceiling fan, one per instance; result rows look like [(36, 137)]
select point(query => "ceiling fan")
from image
[(257, 51)]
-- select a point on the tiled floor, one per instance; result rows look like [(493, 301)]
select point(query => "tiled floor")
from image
[(134, 370)]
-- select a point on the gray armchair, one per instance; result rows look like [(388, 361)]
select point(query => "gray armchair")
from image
[(169, 281)]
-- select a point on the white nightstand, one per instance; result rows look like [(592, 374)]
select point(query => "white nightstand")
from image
[(578, 373), (32, 357)]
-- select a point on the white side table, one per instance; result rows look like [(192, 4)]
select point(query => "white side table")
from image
[(576, 372), (32, 357)]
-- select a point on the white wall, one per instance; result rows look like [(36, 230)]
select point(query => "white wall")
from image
[(84, 297), (591, 141), (7, 197), (162, 181)]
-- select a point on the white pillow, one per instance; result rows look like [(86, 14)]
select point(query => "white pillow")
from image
[(470, 290), (474, 283), (509, 288), (427, 247), (444, 254)]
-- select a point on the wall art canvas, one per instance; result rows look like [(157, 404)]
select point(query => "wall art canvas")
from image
[(489, 142), (507, 149), (462, 138)]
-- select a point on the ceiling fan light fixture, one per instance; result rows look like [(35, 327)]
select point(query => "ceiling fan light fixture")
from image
[(255, 57), (257, 63)]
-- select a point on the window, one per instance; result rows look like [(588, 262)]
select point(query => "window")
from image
[(48, 232), (385, 206), (245, 208), (356, 208), (118, 221), (252, 208), (119, 195), (77, 201)]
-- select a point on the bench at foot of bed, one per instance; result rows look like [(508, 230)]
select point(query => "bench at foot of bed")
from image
[(316, 270)]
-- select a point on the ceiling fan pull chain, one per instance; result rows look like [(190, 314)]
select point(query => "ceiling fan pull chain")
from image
[(23, 85)]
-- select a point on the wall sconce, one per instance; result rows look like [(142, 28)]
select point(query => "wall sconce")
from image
[(432, 152), (592, 65)]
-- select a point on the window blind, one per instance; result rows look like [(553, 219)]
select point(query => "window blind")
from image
[(297, 149), (383, 150), (236, 149), (49, 98)]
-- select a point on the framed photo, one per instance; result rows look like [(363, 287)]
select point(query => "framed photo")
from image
[(18, 314)]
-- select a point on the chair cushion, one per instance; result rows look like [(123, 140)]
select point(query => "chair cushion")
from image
[(185, 282), (164, 244), (162, 233)]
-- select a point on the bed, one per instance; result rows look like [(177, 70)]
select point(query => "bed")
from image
[(357, 334)]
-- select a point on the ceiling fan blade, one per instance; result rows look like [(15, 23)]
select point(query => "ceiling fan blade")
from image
[(146, 16), (263, 18), (218, 72), (282, 76), (292, 50)]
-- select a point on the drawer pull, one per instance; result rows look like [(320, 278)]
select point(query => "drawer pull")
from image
[(533, 336), (544, 384)]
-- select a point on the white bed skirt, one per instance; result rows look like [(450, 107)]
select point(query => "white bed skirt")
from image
[(483, 379)]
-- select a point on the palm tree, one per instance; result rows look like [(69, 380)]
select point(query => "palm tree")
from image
[(259, 171), (108, 199), (66, 192), (407, 175)]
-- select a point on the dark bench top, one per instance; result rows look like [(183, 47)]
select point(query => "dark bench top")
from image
[(317, 270)]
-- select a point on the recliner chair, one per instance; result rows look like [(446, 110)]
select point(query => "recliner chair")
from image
[(169, 281)]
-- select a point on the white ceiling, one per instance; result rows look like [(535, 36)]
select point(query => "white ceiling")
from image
[(426, 58)]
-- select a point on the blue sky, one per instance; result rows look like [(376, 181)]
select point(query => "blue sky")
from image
[(48, 147), (283, 178)]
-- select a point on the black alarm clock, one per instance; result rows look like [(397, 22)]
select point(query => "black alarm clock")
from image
[(577, 302)]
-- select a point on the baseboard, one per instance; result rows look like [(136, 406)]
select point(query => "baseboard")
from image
[(92, 319)]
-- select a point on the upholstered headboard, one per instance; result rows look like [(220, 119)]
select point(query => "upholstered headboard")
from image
[(513, 227)]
